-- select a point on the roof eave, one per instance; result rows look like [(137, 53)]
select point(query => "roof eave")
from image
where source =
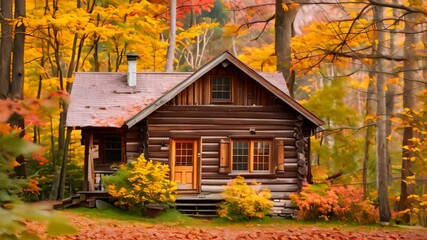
[(279, 93)]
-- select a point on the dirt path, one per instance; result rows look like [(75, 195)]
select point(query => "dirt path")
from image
[(99, 229)]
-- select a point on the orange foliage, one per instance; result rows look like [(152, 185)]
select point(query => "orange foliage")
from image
[(342, 203)]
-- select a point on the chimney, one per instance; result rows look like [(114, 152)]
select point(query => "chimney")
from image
[(132, 57)]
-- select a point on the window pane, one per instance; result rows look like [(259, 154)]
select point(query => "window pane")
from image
[(221, 88), (184, 154), (261, 155), (240, 155), (113, 148)]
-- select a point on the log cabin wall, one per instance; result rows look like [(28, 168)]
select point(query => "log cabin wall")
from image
[(135, 141), (211, 124), (191, 115)]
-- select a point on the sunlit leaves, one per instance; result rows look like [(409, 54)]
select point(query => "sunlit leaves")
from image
[(140, 182), (260, 58), (323, 41), (244, 201)]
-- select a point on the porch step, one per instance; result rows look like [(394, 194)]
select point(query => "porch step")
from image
[(68, 202), (198, 207)]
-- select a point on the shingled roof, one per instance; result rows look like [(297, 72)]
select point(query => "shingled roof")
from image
[(105, 100)]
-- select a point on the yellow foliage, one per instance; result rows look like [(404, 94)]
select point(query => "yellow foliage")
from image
[(261, 59), (141, 182), (243, 201)]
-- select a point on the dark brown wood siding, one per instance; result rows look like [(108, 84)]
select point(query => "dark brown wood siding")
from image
[(245, 91), (133, 142), (211, 124)]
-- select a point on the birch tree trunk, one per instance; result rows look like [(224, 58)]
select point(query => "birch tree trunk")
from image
[(381, 145), (172, 34)]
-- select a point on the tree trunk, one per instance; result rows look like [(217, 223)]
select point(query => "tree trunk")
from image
[(16, 88), (5, 48), (381, 153), (283, 34), (17, 84), (370, 110), (63, 172), (172, 34), (409, 75)]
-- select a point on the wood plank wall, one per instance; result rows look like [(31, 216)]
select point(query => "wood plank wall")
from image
[(210, 124), (133, 142), (245, 91)]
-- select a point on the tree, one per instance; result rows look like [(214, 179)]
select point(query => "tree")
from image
[(409, 67), (170, 58), (283, 29), (6, 48), (381, 153), (12, 44)]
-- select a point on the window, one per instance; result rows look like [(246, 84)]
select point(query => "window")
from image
[(184, 154), (240, 155), (221, 89), (251, 155), (113, 148)]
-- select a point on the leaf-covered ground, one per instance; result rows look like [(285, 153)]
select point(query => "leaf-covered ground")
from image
[(99, 229)]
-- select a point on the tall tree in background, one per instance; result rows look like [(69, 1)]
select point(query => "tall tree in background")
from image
[(12, 57), (283, 29), (5, 48), (170, 57), (410, 68), (381, 145), (16, 89)]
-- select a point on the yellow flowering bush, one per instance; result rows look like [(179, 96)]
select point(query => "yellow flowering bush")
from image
[(243, 201), (141, 182)]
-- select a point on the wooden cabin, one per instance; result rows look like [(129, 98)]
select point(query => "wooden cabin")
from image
[(221, 121)]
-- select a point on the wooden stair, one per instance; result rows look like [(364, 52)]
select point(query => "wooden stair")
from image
[(283, 208), (198, 207), (68, 202)]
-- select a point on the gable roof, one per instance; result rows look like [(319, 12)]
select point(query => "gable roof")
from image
[(105, 100)]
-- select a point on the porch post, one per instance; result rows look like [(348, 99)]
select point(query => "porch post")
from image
[(85, 134), (91, 171)]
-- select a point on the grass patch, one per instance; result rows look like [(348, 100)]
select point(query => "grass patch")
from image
[(170, 217), (109, 213), (175, 218)]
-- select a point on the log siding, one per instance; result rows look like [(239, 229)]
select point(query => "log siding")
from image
[(211, 124)]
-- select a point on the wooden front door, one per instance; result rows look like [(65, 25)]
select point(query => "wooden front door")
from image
[(184, 164)]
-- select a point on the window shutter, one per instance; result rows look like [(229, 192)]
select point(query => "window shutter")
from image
[(280, 155), (224, 156)]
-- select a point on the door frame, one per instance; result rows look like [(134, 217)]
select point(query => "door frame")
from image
[(196, 162)]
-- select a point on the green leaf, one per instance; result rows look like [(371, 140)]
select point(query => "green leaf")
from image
[(57, 227), (17, 146), (28, 236)]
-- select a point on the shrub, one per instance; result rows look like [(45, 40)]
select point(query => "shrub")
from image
[(416, 211), (342, 203), (243, 202), (141, 182)]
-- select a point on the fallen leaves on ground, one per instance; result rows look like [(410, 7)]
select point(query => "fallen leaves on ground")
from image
[(99, 229)]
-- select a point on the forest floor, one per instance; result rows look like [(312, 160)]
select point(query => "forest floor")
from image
[(101, 228)]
